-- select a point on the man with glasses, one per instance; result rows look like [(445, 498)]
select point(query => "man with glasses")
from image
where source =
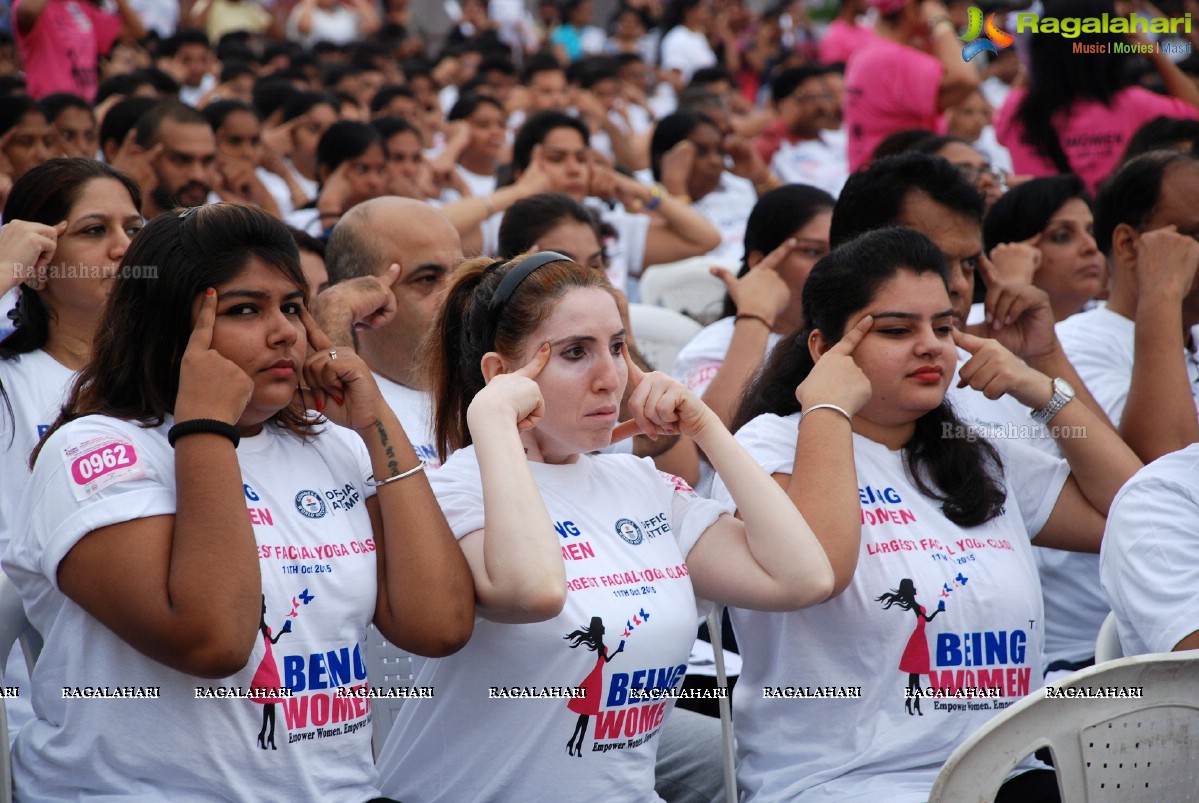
[(798, 145)]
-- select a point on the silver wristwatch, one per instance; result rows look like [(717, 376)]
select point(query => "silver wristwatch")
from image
[(1062, 393)]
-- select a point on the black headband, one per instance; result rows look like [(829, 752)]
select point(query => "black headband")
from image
[(503, 294)]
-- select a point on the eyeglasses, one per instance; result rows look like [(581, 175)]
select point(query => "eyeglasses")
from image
[(814, 97), (974, 174)]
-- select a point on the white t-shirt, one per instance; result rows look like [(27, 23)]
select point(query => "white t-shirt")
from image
[(625, 531), (727, 208), (699, 360), (1101, 344), (277, 187), (191, 95), (821, 163), (479, 185), (305, 500), (1149, 563), (988, 636), (686, 50), (37, 385), (338, 26), (8, 301), (414, 408), (310, 186)]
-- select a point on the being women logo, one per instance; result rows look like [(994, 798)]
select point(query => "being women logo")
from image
[(996, 38)]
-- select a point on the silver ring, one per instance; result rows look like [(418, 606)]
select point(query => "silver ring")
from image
[(333, 354)]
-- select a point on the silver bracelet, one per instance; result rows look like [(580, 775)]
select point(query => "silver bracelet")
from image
[(372, 482), (816, 407)]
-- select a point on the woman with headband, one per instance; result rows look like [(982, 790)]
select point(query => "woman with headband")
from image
[(587, 567)]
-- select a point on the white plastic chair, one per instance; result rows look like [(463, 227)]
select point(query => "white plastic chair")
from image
[(660, 333), (13, 627), (1107, 644), (1122, 749), (686, 287), (386, 665)]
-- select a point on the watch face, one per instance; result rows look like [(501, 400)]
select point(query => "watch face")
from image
[(1063, 387)]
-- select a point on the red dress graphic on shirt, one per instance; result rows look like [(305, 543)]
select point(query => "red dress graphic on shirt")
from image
[(915, 659), (266, 676), (593, 685)]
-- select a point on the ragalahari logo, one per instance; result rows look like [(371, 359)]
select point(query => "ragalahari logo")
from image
[(996, 40)]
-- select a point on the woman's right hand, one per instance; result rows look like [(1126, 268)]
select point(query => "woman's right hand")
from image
[(210, 386), (28, 247), (836, 378), (513, 397), (761, 292)]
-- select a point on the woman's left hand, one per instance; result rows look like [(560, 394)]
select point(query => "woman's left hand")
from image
[(994, 371), (337, 382), (660, 405)]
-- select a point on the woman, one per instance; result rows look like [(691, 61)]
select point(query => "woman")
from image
[(529, 369), (352, 168), (697, 171), (69, 267), (685, 47), (306, 118), (1077, 115), (786, 234), (239, 155), (74, 122), (551, 154), (940, 507), (26, 138), (895, 86), (487, 134), (556, 222), (1044, 227), (139, 478)]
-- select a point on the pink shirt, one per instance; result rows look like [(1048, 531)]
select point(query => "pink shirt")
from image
[(1092, 135), (889, 87), (841, 40), (60, 52)]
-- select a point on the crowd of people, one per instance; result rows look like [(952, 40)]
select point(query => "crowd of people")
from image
[(373, 287)]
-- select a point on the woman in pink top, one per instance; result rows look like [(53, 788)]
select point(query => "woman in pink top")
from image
[(891, 86), (1078, 111)]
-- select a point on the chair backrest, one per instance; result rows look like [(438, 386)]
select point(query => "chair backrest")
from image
[(1117, 748), (1107, 644), (386, 666), (14, 627), (660, 333), (686, 287)]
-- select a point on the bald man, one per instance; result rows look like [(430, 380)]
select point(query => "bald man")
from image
[(382, 249)]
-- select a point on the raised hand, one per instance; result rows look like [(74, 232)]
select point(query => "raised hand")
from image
[(1166, 263), (210, 386), (1015, 262), (994, 371), (660, 405), (359, 304), (337, 374), (138, 162), (836, 378), (514, 396), (761, 291), (28, 247), (1018, 314), (676, 165)]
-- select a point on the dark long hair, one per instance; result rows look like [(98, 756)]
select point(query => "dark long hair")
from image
[(530, 219), (903, 597), (1058, 78), (1023, 211), (133, 373), (775, 217), (46, 194), (454, 349), (965, 476)]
